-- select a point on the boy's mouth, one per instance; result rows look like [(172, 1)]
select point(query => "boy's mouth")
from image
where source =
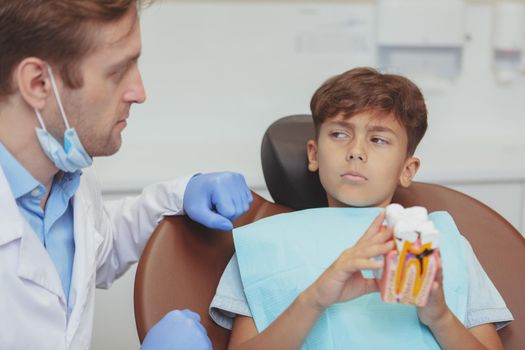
[(354, 176)]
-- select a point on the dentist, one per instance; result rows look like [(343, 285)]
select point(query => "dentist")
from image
[(68, 77)]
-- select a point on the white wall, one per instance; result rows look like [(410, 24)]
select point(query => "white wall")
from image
[(218, 73)]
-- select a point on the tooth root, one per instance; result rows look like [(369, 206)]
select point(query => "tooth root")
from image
[(407, 289)]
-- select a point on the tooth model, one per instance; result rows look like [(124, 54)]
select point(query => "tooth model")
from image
[(410, 268)]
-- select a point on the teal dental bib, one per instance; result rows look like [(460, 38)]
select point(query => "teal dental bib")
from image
[(282, 255)]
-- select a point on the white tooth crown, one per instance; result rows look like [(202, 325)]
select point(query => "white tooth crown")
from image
[(393, 212), (416, 214), (411, 223)]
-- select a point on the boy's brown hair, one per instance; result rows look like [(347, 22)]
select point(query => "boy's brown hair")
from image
[(53, 30), (366, 90)]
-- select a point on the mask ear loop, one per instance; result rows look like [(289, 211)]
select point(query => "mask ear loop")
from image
[(40, 120), (57, 96)]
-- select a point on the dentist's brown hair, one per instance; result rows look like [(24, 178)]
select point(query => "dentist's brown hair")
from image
[(60, 32)]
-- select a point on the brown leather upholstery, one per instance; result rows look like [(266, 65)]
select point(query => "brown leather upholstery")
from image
[(183, 261), (181, 267), (499, 247), (284, 163)]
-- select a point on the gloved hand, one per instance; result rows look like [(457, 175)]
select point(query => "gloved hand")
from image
[(178, 330), (217, 199)]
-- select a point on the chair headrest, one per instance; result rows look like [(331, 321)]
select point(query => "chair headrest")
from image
[(285, 163)]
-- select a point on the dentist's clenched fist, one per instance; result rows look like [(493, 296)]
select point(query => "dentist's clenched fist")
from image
[(217, 199)]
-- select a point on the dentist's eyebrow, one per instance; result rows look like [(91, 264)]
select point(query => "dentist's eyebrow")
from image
[(124, 62)]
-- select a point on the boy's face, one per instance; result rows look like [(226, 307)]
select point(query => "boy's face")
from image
[(361, 160)]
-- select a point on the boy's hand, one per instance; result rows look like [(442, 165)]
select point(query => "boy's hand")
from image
[(343, 281), (436, 309)]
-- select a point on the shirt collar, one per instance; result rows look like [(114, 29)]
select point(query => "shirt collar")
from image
[(68, 182), (18, 178), (22, 182)]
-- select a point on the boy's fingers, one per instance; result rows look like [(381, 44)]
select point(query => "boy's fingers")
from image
[(439, 273), (384, 235), (378, 249), (371, 286), (375, 226), (435, 287), (366, 264)]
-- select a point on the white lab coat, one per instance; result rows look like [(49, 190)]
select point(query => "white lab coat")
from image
[(109, 237)]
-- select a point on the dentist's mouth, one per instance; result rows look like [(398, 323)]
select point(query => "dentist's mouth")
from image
[(122, 122), (123, 119)]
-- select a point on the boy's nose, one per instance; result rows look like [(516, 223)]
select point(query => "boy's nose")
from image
[(356, 155)]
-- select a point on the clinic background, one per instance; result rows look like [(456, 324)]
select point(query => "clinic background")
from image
[(218, 73)]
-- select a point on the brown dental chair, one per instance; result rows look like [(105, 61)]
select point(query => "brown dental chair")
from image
[(183, 261)]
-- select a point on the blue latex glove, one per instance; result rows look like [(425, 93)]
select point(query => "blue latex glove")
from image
[(217, 199), (178, 330)]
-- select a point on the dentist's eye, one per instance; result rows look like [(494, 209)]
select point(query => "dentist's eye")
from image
[(117, 75)]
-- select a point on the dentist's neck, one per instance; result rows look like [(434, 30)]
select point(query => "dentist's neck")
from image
[(17, 134)]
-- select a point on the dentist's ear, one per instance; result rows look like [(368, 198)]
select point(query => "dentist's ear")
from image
[(32, 81), (311, 151), (409, 171)]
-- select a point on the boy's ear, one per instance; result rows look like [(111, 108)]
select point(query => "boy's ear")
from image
[(311, 151), (409, 171), (32, 81)]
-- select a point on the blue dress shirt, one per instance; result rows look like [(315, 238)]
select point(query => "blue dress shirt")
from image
[(54, 225)]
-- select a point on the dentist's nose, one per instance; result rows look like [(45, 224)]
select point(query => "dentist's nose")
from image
[(136, 92)]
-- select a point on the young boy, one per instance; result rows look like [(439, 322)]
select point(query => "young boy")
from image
[(368, 126)]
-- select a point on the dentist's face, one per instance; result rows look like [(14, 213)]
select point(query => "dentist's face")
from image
[(361, 159), (111, 84)]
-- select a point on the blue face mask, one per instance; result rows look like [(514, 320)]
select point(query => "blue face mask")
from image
[(70, 157)]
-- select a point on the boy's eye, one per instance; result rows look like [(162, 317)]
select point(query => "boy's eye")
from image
[(338, 135), (379, 141)]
